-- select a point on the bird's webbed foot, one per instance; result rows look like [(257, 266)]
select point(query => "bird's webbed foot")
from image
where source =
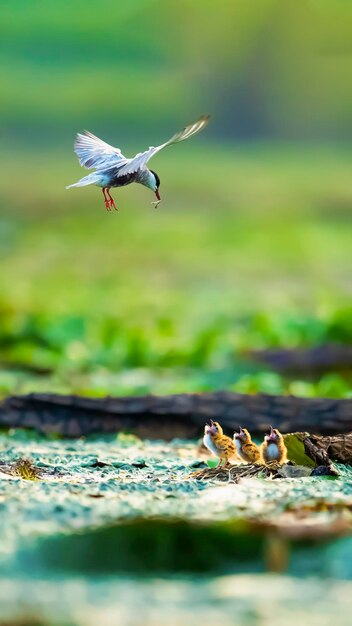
[(112, 204), (111, 200), (108, 199)]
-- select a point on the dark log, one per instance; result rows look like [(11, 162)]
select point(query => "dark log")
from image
[(306, 361), (182, 415)]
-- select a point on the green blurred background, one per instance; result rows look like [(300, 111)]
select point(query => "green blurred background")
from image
[(251, 246)]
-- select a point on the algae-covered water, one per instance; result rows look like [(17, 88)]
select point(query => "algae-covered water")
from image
[(117, 530)]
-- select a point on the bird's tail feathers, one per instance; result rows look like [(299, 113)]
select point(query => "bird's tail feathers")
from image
[(91, 179)]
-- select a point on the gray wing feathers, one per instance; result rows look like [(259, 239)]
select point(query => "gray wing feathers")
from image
[(91, 179), (188, 131), (141, 159), (138, 162), (92, 152)]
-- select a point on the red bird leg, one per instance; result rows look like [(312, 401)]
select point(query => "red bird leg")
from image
[(112, 203), (107, 202)]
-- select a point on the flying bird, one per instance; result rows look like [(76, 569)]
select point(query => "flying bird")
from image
[(112, 169)]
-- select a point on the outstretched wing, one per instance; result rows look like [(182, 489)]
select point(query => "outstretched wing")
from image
[(93, 152), (141, 159)]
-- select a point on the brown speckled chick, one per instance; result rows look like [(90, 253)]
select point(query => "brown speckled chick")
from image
[(219, 444), (247, 450), (273, 447)]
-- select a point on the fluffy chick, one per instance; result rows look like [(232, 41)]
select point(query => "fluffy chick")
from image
[(218, 443), (273, 447), (247, 450)]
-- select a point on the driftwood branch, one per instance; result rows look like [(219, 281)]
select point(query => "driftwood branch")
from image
[(182, 415), (333, 448)]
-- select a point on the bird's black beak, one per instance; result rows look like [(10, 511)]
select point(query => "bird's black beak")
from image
[(157, 194)]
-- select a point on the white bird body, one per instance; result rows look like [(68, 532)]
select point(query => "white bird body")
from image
[(238, 444), (273, 447), (208, 442), (272, 451)]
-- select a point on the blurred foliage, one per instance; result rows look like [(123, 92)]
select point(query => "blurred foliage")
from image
[(100, 355), (250, 247), (166, 301), (265, 68)]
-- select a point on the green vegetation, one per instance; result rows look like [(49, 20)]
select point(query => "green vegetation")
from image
[(264, 68), (167, 300)]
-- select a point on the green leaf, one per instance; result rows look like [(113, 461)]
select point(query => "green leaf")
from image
[(295, 449)]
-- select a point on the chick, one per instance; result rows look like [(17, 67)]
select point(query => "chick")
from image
[(218, 443), (273, 447), (247, 450)]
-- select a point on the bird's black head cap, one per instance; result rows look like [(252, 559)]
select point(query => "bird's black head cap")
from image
[(157, 179)]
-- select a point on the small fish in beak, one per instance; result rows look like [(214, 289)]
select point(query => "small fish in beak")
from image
[(157, 202)]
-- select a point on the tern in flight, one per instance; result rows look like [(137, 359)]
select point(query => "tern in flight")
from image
[(112, 169)]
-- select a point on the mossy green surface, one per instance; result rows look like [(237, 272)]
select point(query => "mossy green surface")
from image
[(109, 506)]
